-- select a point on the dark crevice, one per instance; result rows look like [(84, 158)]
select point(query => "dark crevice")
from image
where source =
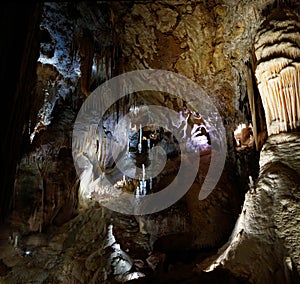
[(279, 41), (276, 55)]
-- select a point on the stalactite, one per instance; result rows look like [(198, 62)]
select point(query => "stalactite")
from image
[(251, 98), (107, 56), (86, 51), (277, 49), (281, 101), (118, 110)]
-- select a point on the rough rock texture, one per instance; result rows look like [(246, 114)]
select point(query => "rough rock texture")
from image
[(267, 229), (66, 236)]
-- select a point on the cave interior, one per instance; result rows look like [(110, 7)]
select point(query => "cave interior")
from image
[(150, 142)]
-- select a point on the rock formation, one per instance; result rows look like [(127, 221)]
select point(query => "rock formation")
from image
[(57, 188)]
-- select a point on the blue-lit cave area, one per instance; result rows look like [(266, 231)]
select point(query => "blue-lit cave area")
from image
[(150, 142)]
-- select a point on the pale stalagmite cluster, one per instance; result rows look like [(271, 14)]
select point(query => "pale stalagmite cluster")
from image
[(277, 50)]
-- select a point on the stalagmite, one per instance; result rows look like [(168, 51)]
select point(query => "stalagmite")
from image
[(143, 182), (16, 241), (148, 143), (137, 191), (143, 167), (140, 140)]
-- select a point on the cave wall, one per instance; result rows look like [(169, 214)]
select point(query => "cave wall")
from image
[(208, 42), (201, 41), (19, 53), (198, 40)]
